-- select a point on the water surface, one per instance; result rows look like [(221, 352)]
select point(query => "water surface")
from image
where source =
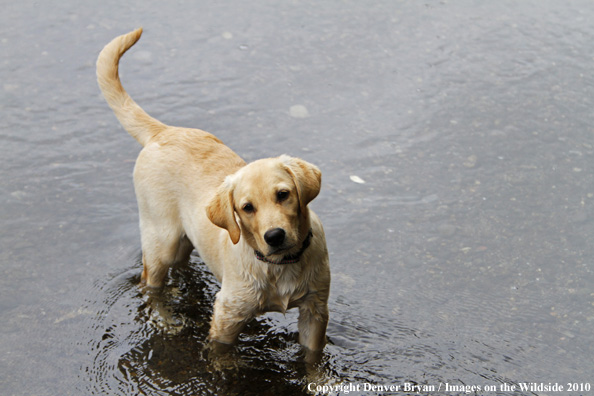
[(456, 142)]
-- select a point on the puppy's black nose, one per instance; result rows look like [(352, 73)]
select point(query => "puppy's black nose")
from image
[(275, 237)]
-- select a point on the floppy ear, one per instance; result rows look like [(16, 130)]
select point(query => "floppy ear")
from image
[(307, 177), (220, 211)]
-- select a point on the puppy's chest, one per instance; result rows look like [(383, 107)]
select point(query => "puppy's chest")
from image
[(280, 294)]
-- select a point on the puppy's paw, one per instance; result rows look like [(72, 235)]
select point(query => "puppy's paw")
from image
[(221, 356), (160, 314)]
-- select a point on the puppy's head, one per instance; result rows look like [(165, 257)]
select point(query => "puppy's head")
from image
[(265, 202)]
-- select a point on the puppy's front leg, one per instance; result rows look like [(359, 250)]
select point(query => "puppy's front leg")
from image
[(313, 320), (228, 320)]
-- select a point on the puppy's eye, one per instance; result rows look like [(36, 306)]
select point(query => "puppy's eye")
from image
[(248, 208), (282, 195)]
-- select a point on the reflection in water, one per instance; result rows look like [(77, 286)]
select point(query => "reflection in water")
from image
[(151, 344)]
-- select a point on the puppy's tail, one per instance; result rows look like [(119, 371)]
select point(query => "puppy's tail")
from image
[(136, 121)]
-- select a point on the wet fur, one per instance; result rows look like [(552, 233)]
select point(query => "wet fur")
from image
[(191, 191)]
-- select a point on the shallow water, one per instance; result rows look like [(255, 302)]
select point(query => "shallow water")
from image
[(456, 143)]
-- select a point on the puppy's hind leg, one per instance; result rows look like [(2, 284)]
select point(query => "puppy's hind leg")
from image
[(184, 250), (159, 253), (157, 257)]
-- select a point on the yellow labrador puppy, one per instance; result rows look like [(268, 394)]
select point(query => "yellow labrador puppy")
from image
[(249, 222)]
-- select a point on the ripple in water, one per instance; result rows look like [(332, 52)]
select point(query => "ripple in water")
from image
[(147, 344)]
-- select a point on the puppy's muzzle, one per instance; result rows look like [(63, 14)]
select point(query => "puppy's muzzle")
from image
[(275, 237)]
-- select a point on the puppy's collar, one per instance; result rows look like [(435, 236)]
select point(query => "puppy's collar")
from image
[(291, 258)]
